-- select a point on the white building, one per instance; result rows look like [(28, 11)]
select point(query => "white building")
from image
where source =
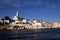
[(58, 24), (17, 21), (16, 17)]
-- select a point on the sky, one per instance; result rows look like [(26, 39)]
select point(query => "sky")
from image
[(47, 10)]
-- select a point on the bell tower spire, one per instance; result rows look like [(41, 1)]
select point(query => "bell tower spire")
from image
[(17, 14)]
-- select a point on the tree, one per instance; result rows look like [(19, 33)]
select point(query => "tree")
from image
[(7, 18)]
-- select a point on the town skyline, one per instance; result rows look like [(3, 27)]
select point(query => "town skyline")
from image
[(47, 10)]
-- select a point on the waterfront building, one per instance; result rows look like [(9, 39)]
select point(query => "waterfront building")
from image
[(44, 24), (58, 24), (17, 19), (24, 21), (1, 21), (50, 25), (37, 25), (55, 25)]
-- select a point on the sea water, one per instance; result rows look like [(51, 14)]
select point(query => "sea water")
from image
[(30, 34)]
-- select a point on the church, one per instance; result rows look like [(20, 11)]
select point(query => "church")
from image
[(17, 19)]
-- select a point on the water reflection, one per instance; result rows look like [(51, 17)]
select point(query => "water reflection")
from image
[(40, 34)]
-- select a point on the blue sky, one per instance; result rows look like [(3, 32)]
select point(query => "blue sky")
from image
[(47, 10)]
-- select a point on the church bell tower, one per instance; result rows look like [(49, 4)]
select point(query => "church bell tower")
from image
[(16, 17), (17, 14)]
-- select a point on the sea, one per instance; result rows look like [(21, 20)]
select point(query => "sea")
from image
[(31, 34)]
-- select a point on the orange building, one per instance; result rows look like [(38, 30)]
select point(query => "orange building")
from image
[(55, 25)]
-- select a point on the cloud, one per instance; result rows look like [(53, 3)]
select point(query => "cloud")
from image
[(20, 3)]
